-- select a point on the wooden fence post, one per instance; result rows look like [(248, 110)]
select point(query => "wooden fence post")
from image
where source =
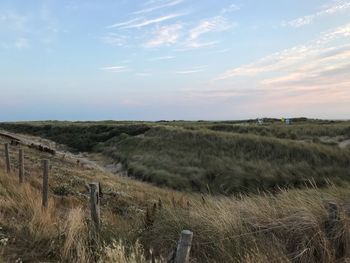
[(184, 247), (7, 157), (333, 213), (21, 166), (333, 218), (45, 182), (95, 204)]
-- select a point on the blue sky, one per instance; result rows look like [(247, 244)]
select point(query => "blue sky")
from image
[(174, 59)]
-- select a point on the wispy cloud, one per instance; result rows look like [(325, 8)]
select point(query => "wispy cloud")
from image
[(143, 74), (196, 45), (191, 70), (183, 35), (115, 69), (165, 35), (327, 67), (154, 20), (193, 38), (114, 39), (159, 6), (342, 31), (283, 60), (300, 21), (309, 75), (214, 24), (274, 62), (141, 22), (307, 89), (334, 8), (162, 58), (125, 23)]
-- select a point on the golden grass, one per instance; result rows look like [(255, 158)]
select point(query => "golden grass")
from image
[(287, 227), (54, 233), (76, 245), (116, 252)]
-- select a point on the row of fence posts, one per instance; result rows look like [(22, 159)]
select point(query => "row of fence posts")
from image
[(21, 172), (184, 244)]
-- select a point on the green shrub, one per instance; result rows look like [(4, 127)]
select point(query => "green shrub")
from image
[(62, 190)]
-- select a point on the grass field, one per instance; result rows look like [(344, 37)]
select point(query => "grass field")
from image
[(212, 157), (290, 226)]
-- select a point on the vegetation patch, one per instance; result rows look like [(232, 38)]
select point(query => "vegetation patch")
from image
[(213, 157)]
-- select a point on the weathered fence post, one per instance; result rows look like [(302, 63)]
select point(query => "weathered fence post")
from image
[(21, 166), (95, 204), (45, 182), (7, 157), (333, 214), (333, 218), (184, 247)]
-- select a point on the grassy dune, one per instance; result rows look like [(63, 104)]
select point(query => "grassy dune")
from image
[(308, 130), (288, 227), (227, 163), (212, 157)]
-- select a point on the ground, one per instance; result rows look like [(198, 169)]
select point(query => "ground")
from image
[(291, 225)]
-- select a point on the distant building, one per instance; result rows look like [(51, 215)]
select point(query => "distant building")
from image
[(260, 121), (286, 121)]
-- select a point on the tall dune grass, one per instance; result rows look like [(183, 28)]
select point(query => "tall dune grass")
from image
[(54, 233), (290, 226)]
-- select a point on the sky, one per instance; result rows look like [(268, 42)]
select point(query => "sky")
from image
[(174, 59)]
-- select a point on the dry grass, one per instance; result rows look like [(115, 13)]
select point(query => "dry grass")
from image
[(22, 216), (76, 243), (287, 227), (116, 252), (55, 233)]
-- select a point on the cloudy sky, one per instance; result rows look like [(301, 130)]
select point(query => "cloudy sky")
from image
[(174, 59)]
